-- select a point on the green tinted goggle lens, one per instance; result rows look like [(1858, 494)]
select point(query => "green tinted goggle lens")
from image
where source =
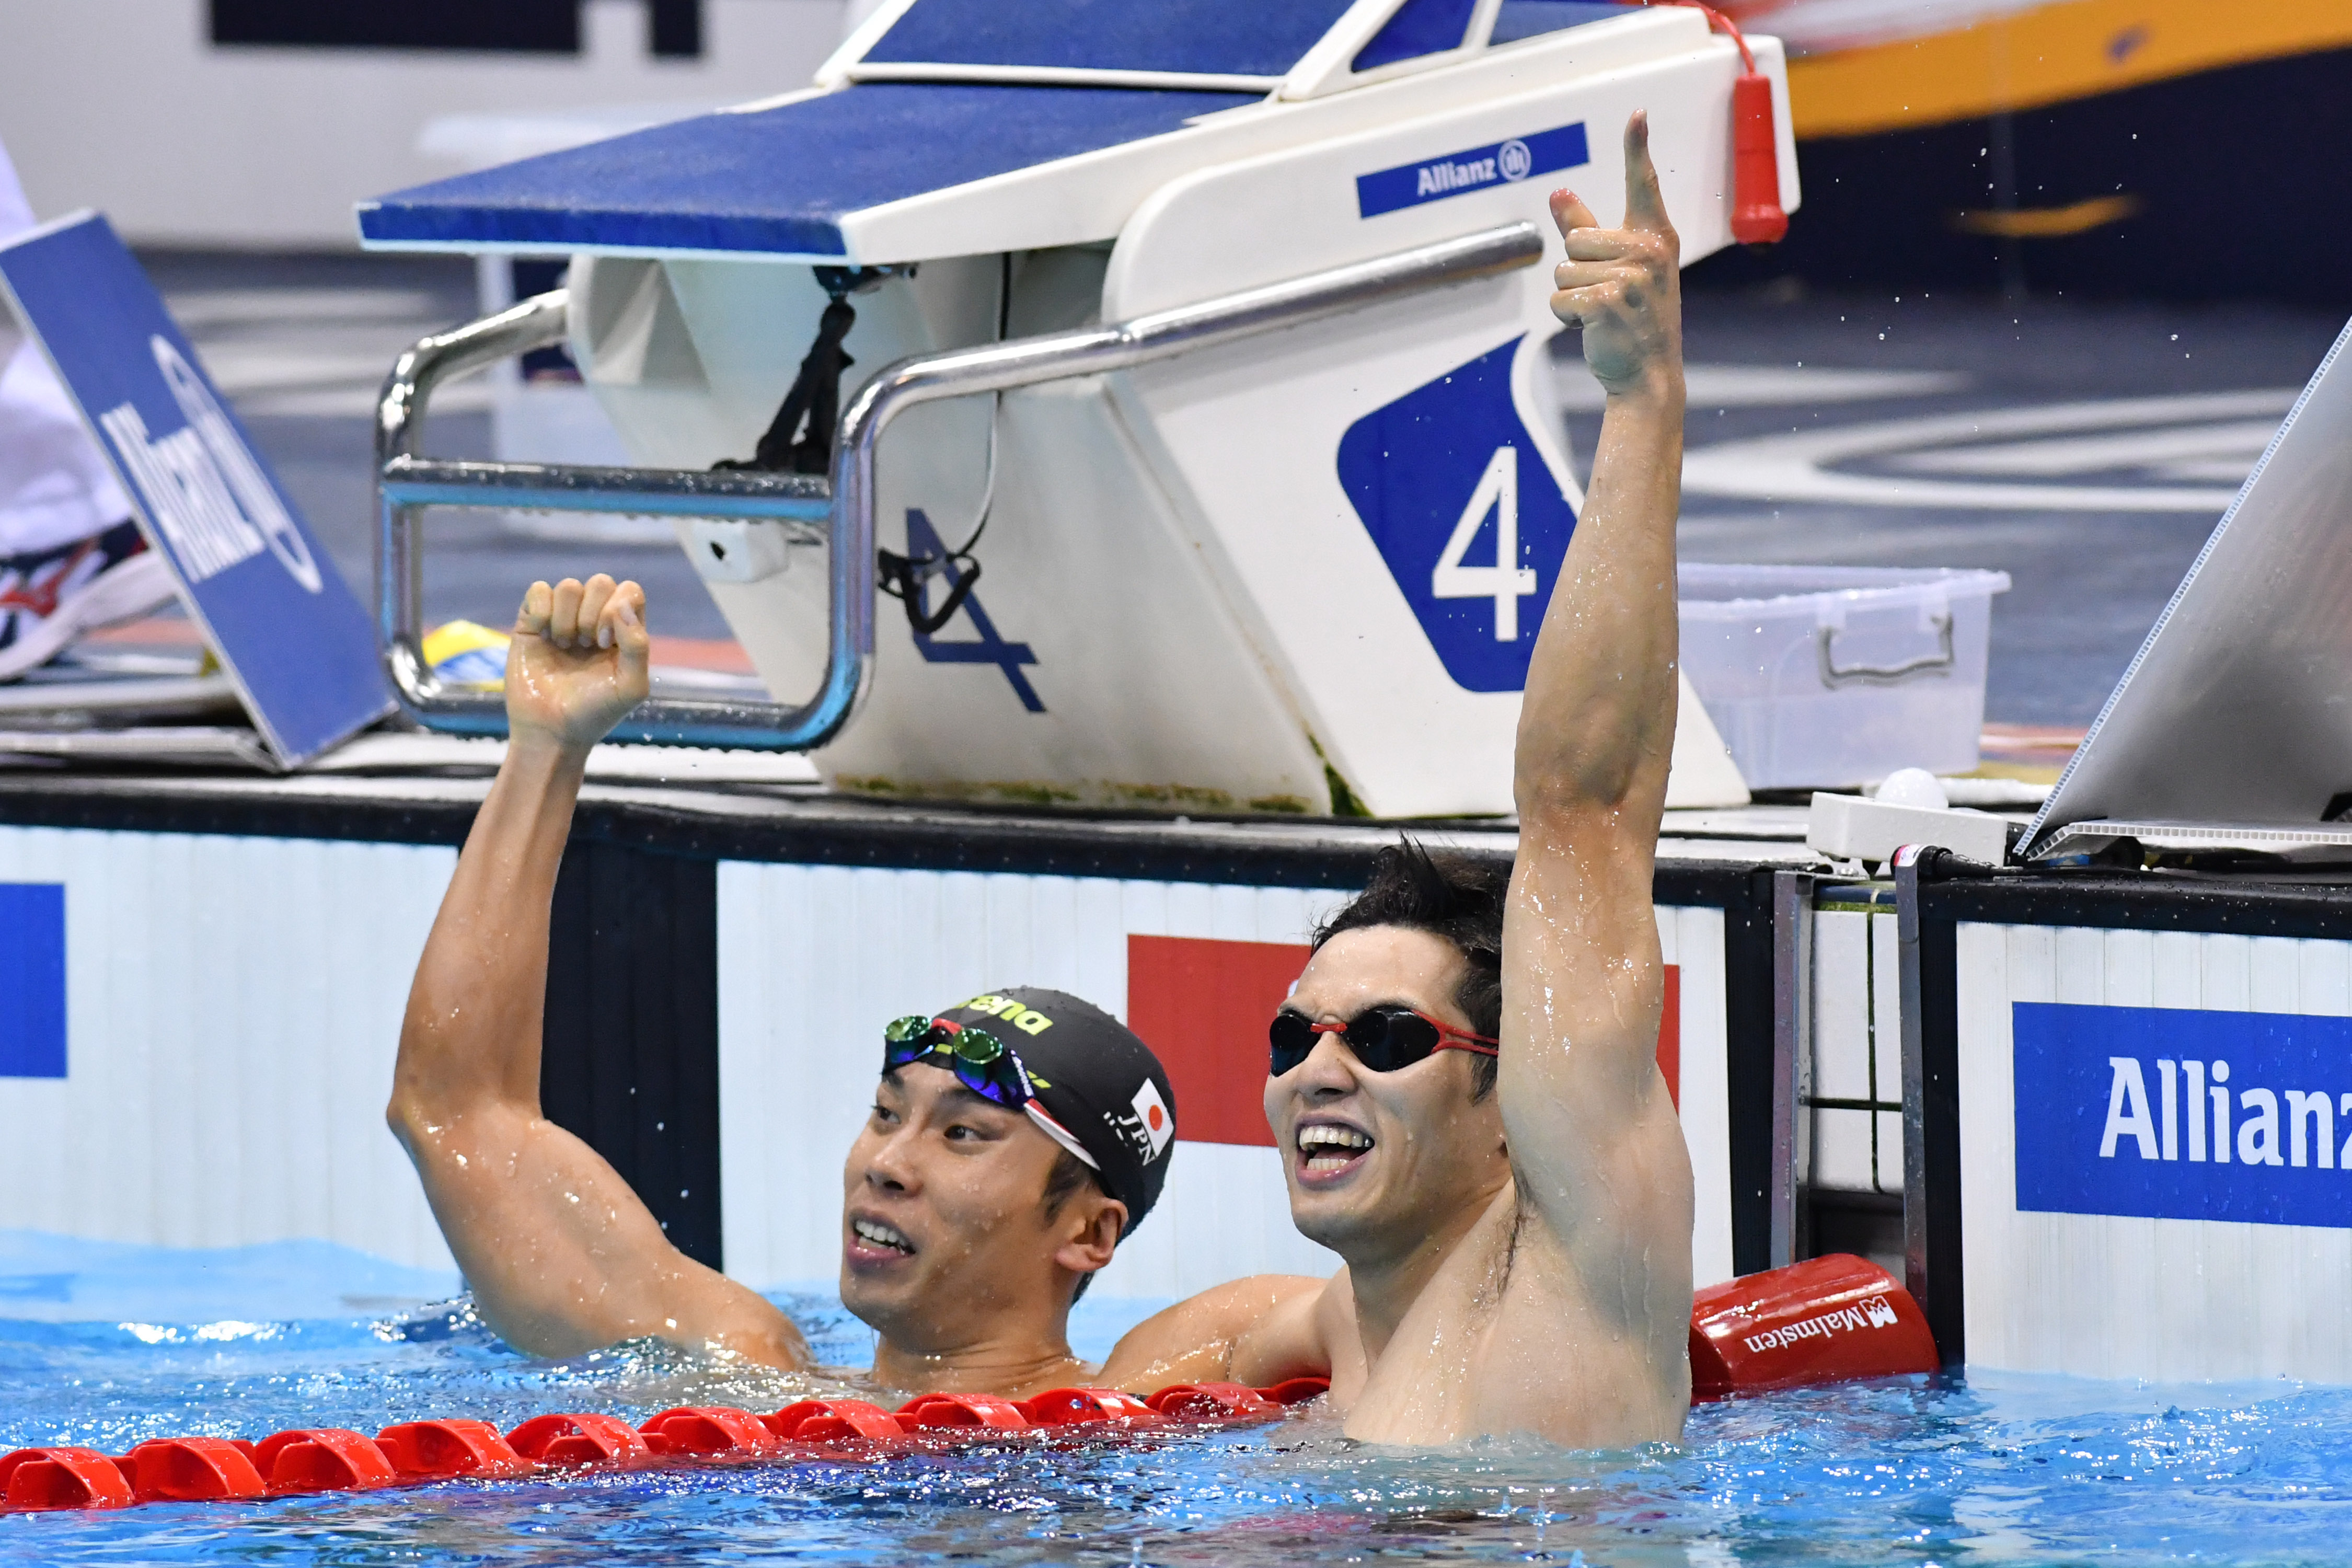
[(982, 1064)]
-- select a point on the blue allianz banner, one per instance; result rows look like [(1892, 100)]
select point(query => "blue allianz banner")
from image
[(2179, 1114), (298, 645), (1466, 515), (32, 980), (1503, 163)]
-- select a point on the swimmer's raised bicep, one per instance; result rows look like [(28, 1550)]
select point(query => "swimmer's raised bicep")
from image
[(1595, 1141)]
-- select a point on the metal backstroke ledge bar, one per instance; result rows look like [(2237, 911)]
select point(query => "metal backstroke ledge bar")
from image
[(407, 482)]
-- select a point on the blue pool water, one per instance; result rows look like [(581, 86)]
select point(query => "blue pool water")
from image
[(2002, 1470)]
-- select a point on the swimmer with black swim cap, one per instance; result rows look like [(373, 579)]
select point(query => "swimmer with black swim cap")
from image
[(1014, 1138), (1464, 1083)]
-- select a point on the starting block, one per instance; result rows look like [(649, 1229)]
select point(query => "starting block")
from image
[(1195, 378)]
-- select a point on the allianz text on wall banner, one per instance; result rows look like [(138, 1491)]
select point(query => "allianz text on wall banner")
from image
[(2179, 1113)]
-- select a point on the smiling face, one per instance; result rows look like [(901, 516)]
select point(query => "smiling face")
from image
[(946, 1237), (1379, 1163)]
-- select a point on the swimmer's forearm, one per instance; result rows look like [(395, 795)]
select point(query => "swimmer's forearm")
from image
[(472, 1029), (1597, 724)]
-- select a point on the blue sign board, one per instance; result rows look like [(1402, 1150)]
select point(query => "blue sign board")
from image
[(32, 980), (299, 647), (1465, 510), (2172, 1113), (1504, 162)]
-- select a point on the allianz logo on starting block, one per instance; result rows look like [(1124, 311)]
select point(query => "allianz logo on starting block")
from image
[(1503, 163), (202, 486), (2172, 1113)]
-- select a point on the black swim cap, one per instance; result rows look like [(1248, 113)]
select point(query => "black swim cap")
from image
[(1105, 1097)]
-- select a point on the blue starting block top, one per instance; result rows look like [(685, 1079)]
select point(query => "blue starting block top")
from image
[(950, 93), (1202, 37), (776, 180)]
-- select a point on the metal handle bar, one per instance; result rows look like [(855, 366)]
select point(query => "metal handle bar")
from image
[(405, 482)]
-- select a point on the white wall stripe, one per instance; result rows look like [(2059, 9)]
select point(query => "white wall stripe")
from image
[(233, 1009)]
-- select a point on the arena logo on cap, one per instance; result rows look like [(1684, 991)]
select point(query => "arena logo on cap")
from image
[(1504, 162), (2173, 1113), (1019, 1014)]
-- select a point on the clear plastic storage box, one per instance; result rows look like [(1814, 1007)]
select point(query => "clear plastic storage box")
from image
[(1821, 677)]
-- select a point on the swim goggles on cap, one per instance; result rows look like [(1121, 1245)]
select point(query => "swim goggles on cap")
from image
[(1383, 1039), (982, 1063)]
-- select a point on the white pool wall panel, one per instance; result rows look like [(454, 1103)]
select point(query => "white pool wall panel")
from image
[(1857, 1043), (233, 1012), (2126, 1297), (815, 959)]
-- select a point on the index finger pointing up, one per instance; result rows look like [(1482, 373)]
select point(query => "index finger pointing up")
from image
[(1646, 206)]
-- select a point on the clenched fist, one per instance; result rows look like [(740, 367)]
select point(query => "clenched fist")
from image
[(579, 660)]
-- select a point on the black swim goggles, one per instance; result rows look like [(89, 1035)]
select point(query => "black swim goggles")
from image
[(1383, 1039), (982, 1063)]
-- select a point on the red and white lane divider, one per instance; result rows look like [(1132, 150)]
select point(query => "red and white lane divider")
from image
[(1822, 1321), (332, 1459)]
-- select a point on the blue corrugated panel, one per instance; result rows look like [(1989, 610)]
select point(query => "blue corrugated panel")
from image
[(1422, 27), (781, 180), (1531, 18), (32, 980), (1224, 37)]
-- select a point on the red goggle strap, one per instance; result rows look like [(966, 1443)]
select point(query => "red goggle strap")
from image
[(1449, 1038)]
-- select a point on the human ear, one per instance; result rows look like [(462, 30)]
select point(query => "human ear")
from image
[(1094, 1236)]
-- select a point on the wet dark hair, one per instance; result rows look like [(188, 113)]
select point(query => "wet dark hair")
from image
[(1451, 897), (1066, 1180)]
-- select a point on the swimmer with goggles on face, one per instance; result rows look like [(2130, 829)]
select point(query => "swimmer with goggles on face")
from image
[(1462, 1084)]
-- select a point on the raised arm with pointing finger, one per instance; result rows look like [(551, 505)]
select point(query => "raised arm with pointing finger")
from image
[(1463, 1082)]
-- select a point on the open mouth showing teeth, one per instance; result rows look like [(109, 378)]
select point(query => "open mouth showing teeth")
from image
[(1328, 1147), (873, 1233)]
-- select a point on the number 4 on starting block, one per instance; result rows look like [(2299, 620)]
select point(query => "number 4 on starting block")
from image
[(296, 643)]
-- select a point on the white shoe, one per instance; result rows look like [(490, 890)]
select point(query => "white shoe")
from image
[(50, 598)]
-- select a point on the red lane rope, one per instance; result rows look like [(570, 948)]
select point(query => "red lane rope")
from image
[(1822, 1321), (328, 1459)]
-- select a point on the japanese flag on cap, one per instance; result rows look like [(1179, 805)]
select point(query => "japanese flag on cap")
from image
[(1152, 1112)]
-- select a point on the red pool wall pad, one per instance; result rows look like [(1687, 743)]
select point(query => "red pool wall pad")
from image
[(332, 1459), (1826, 1319)]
